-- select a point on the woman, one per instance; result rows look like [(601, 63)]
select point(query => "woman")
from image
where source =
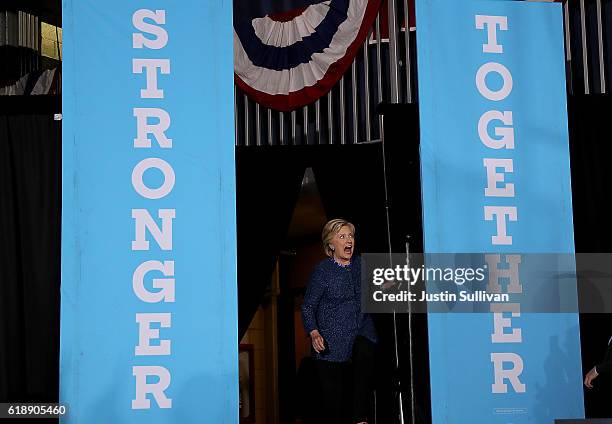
[(340, 333)]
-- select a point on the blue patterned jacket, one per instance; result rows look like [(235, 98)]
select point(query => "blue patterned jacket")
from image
[(332, 305)]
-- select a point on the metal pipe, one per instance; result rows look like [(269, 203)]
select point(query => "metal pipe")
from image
[(412, 397), (236, 123), (375, 409), (19, 29), (568, 43), (401, 401), (305, 130), (36, 36), (600, 44), (19, 41), (282, 128), (59, 51), (408, 62), (342, 113), (318, 122), (354, 98), (585, 57), (366, 60), (379, 60), (270, 138), (257, 125), (33, 35), (330, 117), (293, 125), (568, 46), (246, 121), (379, 74), (393, 55), (361, 143)]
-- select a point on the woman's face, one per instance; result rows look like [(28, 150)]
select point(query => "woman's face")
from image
[(343, 244)]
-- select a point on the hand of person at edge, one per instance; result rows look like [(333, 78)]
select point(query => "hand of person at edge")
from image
[(591, 375), (317, 341), (389, 284)]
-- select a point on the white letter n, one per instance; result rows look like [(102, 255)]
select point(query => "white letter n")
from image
[(144, 221)]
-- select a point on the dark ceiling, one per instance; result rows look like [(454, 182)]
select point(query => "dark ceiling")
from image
[(49, 11)]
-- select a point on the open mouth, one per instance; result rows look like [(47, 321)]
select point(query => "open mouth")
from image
[(348, 249)]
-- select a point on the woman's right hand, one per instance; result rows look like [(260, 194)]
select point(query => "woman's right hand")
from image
[(317, 341)]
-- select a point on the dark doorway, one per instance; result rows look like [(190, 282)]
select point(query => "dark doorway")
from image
[(285, 195)]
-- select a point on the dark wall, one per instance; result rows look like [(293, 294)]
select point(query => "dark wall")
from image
[(401, 143), (30, 205), (590, 152)]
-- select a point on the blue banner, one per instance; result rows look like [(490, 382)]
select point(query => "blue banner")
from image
[(496, 178), (149, 309)]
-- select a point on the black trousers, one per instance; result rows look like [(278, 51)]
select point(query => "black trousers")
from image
[(346, 387)]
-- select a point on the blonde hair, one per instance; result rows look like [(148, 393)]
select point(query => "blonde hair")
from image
[(332, 228)]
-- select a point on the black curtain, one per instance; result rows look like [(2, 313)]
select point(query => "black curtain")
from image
[(590, 153), (30, 205), (403, 178), (268, 182)]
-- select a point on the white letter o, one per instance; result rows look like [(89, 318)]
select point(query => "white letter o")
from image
[(481, 77), (153, 193)]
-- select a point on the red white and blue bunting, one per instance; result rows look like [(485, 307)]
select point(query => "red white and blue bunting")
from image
[(290, 59)]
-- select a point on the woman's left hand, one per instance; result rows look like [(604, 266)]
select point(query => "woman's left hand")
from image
[(317, 341)]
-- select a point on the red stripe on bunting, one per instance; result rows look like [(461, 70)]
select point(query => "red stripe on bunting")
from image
[(287, 16), (307, 95)]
